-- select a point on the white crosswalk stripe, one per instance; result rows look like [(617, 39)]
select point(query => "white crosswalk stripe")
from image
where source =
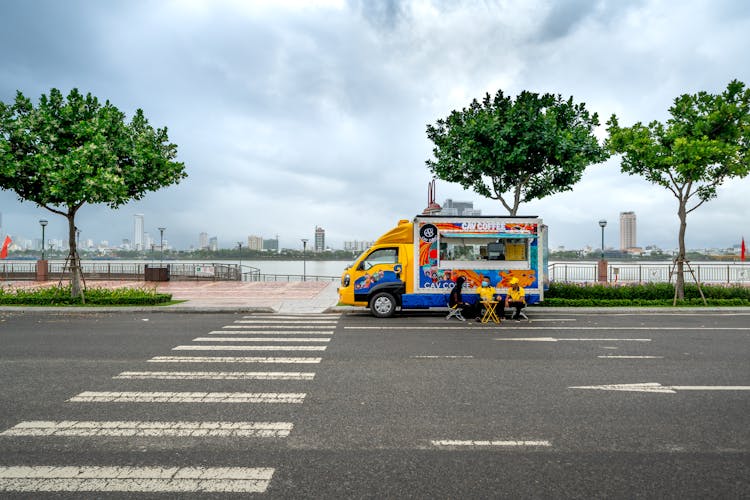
[(284, 322), (259, 339), (232, 359), (295, 316), (249, 348), (280, 326), (216, 375), (268, 332), (73, 428), (136, 479), (186, 397)]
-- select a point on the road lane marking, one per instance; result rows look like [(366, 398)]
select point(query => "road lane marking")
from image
[(267, 332), (442, 357), (73, 428), (610, 356), (554, 339), (664, 389), (216, 375), (508, 443), (315, 316), (281, 327), (187, 397), (259, 339), (516, 327), (232, 359), (286, 322), (249, 348), (136, 479)]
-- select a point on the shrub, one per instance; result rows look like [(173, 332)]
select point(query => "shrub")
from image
[(60, 296), (648, 294)]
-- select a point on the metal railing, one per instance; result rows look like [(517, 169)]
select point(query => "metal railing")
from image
[(290, 277), (571, 272), (127, 271), (736, 272)]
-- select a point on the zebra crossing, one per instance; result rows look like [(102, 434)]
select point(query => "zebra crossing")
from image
[(260, 333)]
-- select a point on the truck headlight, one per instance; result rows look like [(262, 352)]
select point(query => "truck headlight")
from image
[(345, 280)]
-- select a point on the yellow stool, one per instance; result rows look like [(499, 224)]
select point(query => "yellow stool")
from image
[(489, 311)]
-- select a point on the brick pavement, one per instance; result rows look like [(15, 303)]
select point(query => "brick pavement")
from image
[(294, 296)]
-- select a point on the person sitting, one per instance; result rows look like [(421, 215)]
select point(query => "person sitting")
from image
[(516, 298), (487, 293), (456, 301)]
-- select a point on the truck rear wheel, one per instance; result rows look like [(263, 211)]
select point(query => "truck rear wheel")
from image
[(383, 305)]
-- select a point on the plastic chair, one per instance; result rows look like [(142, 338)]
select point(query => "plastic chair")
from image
[(455, 312)]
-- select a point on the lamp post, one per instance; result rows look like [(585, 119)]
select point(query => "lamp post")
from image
[(161, 245), (602, 268), (304, 260), (239, 245), (43, 223)]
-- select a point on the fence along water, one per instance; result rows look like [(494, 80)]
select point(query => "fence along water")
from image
[(570, 272)]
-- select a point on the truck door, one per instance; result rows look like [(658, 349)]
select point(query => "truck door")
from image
[(380, 271)]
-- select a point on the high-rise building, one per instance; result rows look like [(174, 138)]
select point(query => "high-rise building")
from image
[(139, 244), (451, 207), (213, 244), (627, 230), (203, 241), (320, 239), (271, 245), (255, 242)]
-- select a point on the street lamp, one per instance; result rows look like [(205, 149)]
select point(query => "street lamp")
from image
[(161, 245), (239, 244), (603, 224), (304, 261), (42, 222)]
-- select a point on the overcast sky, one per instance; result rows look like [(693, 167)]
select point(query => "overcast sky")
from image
[(294, 113)]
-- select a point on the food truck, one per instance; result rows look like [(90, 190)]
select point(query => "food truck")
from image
[(415, 265)]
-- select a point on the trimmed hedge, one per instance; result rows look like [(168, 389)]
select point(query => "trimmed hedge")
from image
[(60, 296), (649, 294)]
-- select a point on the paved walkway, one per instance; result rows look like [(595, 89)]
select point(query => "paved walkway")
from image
[(287, 297)]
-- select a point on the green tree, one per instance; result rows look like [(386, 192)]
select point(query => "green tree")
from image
[(515, 151), (67, 152), (703, 143)]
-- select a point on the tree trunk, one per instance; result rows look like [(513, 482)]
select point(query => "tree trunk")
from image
[(680, 281), (76, 290)]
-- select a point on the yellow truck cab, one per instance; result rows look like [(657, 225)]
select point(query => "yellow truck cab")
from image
[(415, 264)]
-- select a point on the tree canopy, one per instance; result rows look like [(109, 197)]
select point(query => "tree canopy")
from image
[(516, 151), (67, 152), (703, 143)]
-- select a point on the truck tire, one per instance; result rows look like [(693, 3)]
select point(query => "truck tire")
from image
[(383, 305)]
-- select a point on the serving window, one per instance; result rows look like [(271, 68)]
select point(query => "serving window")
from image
[(454, 249)]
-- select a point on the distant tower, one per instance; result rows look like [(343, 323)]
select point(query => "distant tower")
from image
[(320, 239), (203, 241), (627, 230), (432, 207), (138, 240)]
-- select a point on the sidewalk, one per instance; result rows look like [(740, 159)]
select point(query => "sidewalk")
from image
[(294, 297)]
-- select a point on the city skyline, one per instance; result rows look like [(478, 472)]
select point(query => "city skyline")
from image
[(294, 114), (626, 231)]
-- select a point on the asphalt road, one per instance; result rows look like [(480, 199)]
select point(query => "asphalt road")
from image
[(410, 407)]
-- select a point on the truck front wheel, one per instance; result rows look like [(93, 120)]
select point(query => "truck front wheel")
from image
[(383, 305)]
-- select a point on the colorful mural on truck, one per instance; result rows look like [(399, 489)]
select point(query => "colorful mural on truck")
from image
[(433, 276)]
